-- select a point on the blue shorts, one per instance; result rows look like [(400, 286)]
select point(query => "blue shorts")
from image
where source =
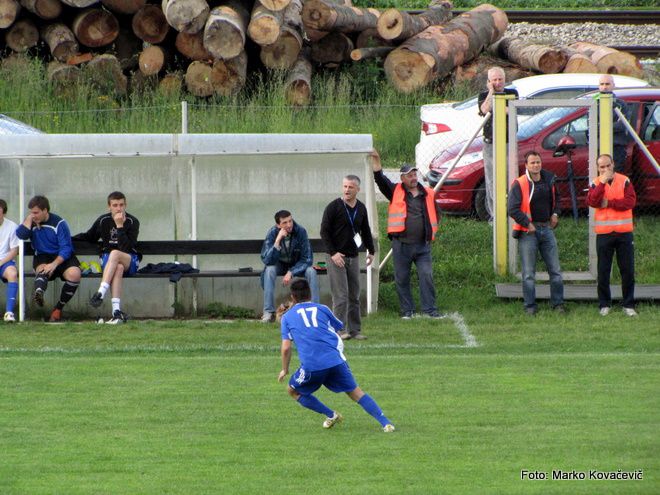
[(4, 267), (336, 379), (132, 269)]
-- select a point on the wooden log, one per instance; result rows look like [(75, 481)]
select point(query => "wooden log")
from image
[(435, 52), (170, 84), (578, 62), (9, 10), (225, 30), (541, 58), (61, 74), (22, 35), (128, 7), (95, 27), (138, 83), (149, 24), (79, 4), (275, 5), (104, 72), (152, 60), (474, 74), (186, 16), (397, 25), (228, 76), (264, 27), (370, 52), (61, 41), (326, 16), (44, 9), (609, 60), (284, 52), (192, 46), (332, 49), (370, 38), (298, 85), (198, 78)]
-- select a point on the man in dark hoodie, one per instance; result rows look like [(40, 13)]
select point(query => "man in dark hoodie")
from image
[(534, 207)]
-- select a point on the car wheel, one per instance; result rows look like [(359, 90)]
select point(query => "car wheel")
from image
[(480, 203)]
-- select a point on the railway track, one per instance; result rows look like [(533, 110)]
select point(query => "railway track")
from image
[(565, 16)]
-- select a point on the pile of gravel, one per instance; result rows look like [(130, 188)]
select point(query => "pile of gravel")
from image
[(594, 32)]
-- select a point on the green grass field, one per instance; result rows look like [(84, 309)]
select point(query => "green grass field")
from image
[(183, 407)]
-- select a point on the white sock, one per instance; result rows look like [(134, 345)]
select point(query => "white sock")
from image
[(104, 288), (116, 302)]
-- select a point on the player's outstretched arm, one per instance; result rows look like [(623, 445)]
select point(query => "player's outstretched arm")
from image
[(285, 351)]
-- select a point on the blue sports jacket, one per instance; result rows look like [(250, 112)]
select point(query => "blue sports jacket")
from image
[(51, 237)]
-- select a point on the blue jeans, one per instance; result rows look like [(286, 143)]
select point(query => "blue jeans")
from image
[(271, 272), (622, 244), (404, 256), (529, 244)]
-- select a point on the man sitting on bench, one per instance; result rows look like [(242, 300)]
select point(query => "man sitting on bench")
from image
[(286, 252)]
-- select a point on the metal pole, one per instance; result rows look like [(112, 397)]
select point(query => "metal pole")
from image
[(21, 247), (184, 117)]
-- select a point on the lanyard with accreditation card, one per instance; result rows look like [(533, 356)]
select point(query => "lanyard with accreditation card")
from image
[(357, 238)]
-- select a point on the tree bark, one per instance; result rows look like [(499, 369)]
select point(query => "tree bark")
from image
[(186, 16), (370, 52), (152, 60), (475, 72), (541, 58), (435, 52), (264, 27), (104, 71), (370, 38), (610, 61), (61, 41), (396, 25), (9, 10), (284, 52), (149, 24), (80, 4), (22, 36), (228, 76), (192, 46), (128, 7), (170, 84), (578, 62), (61, 74), (275, 5), (298, 85), (224, 32), (198, 78), (95, 27), (332, 49), (44, 9), (326, 16)]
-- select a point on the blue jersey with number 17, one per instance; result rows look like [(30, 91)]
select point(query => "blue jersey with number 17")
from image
[(313, 328)]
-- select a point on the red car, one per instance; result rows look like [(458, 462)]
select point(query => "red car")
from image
[(463, 192)]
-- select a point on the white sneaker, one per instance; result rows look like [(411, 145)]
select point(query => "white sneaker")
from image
[(267, 317), (630, 312), (330, 422), (389, 428), (604, 311), (9, 317)]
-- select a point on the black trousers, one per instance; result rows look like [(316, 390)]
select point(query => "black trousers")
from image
[(622, 245)]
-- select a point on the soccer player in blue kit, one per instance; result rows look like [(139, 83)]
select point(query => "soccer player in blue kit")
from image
[(314, 329)]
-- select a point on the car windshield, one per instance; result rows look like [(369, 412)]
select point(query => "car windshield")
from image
[(540, 121)]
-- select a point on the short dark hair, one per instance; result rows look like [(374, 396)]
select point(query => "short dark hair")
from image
[(531, 153), (280, 215), (3, 205), (300, 291), (116, 195), (40, 202)]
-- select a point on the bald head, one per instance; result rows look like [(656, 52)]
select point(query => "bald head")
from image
[(605, 83)]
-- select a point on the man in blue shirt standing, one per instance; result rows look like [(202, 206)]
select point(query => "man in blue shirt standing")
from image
[(314, 329), (53, 253)]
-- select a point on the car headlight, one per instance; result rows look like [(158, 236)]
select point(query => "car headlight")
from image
[(467, 159)]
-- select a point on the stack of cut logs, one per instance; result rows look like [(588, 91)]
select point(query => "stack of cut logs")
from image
[(94, 39)]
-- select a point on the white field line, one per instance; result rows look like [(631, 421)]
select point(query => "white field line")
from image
[(459, 322)]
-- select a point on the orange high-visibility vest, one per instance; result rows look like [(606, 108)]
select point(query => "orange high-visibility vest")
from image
[(609, 220), (524, 202), (397, 211)]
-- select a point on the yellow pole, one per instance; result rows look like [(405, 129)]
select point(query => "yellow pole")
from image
[(606, 121), (500, 186)]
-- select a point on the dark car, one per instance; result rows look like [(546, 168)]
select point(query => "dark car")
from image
[(463, 191)]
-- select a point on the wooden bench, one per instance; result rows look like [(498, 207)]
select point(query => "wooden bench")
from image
[(189, 248)]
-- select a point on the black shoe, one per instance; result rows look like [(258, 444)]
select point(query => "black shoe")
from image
[(38, 298), (530, 311), (559, 309), (96, 300), (118, 317)]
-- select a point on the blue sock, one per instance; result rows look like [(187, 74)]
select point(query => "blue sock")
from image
[(12, 290), (311, 402), (369, 405)]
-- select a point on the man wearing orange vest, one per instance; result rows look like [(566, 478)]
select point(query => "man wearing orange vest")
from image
[(534, 206), (613, 197), (412, 222)]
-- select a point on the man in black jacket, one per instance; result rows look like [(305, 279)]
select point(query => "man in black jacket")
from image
[(118, 232), (344, 228)]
